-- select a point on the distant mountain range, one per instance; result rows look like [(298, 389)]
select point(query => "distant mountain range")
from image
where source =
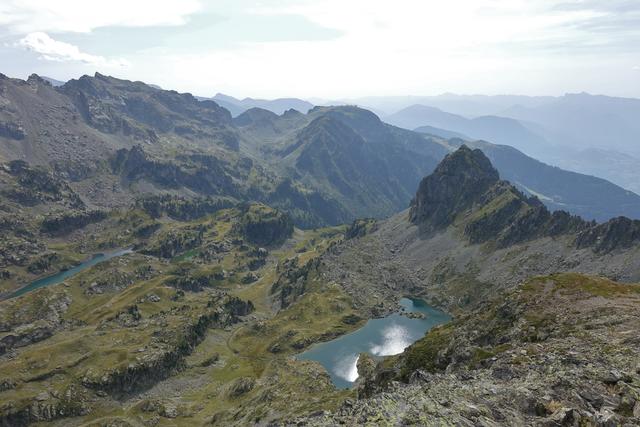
[(586, 121), (278, 106), (499, 130), (464, 105), (53, 81), (595, 135), (564, 131), (113, 141), (578, 120)]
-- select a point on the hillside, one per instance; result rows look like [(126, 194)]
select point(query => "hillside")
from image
[(556, 329), (113, 141), (190, 310), (465, 225)]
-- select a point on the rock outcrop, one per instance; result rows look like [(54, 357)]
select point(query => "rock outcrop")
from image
[(36, 185), (533, 362), (142, 112), (207, 176), (614, 234), (158, 365), (465, 191), (265, 226), (60, 223), (455, 185), (292, 280)]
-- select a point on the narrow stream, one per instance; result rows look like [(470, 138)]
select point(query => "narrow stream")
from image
[(379, 337)]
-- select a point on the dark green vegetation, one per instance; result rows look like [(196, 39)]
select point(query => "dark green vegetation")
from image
[(264, 226)]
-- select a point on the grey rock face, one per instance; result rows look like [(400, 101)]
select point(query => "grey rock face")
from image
[(454, 186)]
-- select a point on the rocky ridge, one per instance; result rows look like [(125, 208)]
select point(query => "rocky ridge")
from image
[(114, 140), (468, 234)]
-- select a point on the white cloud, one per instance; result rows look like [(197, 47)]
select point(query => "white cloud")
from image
[(403, 47), (27, 16), (383, 47), (54, 50), (427, 26), (636, 68)]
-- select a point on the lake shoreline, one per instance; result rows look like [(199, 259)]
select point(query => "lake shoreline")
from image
[(379, 337), (104, 256)]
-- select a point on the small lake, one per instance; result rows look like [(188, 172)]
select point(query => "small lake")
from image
[(63, 275), (379, 337)]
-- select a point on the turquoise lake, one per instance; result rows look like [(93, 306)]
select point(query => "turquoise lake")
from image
[(63, 275), (379, 337)]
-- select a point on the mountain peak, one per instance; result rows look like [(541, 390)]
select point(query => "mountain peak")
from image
[(36, 79), (459, 180), (256, 116)]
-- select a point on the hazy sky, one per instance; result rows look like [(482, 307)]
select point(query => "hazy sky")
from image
[(331, 48)]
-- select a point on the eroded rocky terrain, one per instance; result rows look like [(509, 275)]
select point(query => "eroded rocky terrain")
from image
[(557, 350), (183, 330)]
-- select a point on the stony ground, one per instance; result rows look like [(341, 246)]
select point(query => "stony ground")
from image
[(560, 350), (395, 257)]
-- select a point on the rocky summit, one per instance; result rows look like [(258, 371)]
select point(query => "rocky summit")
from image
[(166, 263), (455, 185)]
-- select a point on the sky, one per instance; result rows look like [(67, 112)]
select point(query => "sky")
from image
[(331, 49)]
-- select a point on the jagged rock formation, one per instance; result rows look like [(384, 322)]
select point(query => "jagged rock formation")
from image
[(616, 233), (466, 190), (469, 234), (292, 280), (455, 185)]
